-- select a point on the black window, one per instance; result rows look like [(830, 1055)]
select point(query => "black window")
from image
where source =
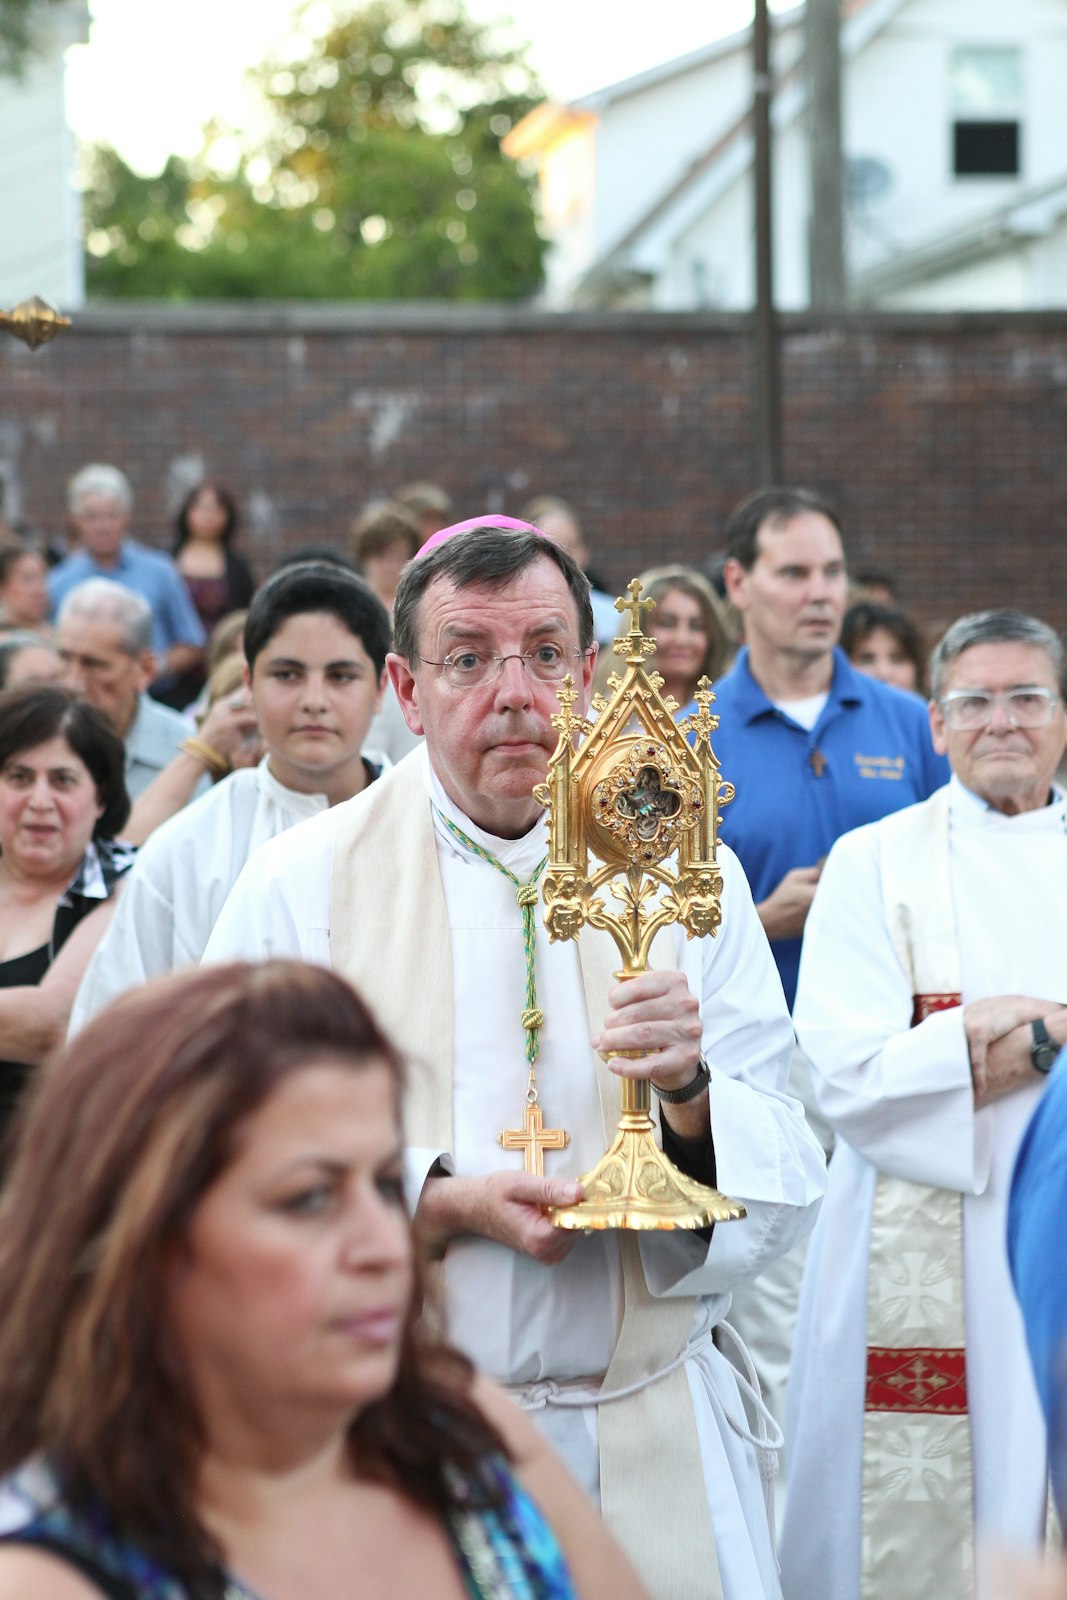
[(985, 149)]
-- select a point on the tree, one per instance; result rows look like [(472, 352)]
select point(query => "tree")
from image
[(379, 174), (20, 22)]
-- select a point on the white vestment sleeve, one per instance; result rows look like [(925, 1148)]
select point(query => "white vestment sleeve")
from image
[(141, 942), (418, 1159), (902, 1097), (280, 904), (261, 922), (765, 1153)]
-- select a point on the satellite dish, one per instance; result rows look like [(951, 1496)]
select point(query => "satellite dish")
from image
[(866, 179)]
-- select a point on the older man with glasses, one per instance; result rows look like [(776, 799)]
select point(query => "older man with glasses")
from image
[(104, 639), (931, 1003), (424, 892)]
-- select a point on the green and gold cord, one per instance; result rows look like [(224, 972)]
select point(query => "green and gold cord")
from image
[(527, 896)]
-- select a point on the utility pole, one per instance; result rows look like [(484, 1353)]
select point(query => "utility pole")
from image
[(822, 52), (767, 407)]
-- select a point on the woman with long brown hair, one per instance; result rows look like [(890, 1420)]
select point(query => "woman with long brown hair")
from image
[(691, 630), (212, 1382)]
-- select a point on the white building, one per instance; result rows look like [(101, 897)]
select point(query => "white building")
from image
[(954, 133), (40, 206)]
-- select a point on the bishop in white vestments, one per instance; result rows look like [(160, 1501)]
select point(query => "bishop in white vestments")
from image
[(410, 890), (931, 1005)]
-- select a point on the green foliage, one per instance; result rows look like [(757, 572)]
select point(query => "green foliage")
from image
[(19, 25), (379, 176)]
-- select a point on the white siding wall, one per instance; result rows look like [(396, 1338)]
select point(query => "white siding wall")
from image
[(897, 109), (567, 185), (646, 140), (40, 210)]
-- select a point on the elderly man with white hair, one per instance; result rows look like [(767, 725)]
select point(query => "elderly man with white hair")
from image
[(100, 500), (104, 637), (931, 1004)]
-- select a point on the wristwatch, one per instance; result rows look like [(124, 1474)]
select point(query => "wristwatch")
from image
[(690, 1090), (1044, 1049)]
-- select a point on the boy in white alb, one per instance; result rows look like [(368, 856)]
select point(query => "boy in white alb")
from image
[(315, 644)]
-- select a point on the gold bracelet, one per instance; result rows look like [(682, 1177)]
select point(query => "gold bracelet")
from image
[(216, 763)]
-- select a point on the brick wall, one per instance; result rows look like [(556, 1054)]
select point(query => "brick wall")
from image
[(943, 439)]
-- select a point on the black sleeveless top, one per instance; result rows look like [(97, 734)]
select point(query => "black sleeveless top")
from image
[(104, 863)]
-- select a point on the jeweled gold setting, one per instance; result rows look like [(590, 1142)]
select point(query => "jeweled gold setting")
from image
[(625, 793), (33, 321)]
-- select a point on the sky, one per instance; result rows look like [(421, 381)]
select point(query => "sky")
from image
[(152, 74)]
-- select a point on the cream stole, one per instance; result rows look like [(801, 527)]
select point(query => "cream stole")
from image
[(389, 936), (917, 1495)]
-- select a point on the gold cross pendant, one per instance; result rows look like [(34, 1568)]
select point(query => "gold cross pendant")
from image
[(533, 1139)]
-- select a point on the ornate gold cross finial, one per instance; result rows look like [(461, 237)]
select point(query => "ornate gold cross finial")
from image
[(533, 1139), (701, 722), (634, 606), (33, 321)]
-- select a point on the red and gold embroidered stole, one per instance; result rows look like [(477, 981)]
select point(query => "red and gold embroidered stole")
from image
[(917, 1493)]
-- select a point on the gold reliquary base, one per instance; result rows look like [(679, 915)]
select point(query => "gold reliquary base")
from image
[(635, 1186)]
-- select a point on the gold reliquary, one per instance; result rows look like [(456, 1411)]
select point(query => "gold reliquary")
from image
[(633, 814)]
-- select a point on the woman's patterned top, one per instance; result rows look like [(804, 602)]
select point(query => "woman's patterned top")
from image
[(504, 1552)]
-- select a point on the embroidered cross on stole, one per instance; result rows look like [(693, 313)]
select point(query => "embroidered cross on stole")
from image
[(917, 1494)]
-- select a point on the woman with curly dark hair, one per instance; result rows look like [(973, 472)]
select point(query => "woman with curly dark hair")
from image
[(212, 1380), (62, 801)]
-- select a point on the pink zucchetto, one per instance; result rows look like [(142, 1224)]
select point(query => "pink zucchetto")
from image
[(490, 520)]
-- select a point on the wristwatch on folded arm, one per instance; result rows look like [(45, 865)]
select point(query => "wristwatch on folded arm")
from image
[(1043, 1048)]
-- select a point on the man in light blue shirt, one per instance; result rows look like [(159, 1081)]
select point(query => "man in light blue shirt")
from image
[(100, 500), (103, 638)]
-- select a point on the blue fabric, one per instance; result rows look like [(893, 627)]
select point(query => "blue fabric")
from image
[(879, 757), (153, 739), (509, 1552), (1037, 1227), (148, 573), (504, 1552)]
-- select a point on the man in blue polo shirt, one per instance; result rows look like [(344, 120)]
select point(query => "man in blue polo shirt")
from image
[(99, 499), (813, 747)]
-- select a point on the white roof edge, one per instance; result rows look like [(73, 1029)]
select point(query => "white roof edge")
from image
[(856, 33), (677, 65), (978, 237)]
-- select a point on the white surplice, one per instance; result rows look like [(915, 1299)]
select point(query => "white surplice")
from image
[(180, 880), (900, 1100), (521, 1322)]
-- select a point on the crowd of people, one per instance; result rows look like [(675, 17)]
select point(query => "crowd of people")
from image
[(285, 1314)]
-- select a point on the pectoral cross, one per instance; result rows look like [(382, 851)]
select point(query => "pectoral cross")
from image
[(817, 763), (533, 1139)]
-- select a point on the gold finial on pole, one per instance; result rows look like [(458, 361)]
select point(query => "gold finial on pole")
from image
[(630, 792), (33, 321)]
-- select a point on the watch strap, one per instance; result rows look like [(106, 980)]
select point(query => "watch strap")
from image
[(688, 1091)]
